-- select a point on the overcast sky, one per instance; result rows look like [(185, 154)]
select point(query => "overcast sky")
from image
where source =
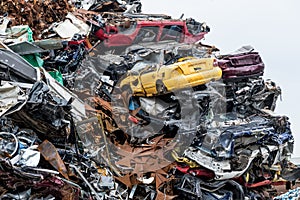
[(272, 27)]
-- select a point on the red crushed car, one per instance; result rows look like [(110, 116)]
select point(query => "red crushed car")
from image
[(241, 65), (143, 30)]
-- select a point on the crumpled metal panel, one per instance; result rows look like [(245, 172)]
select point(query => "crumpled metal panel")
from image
[(20, 70), (10, 95), (25, 48), (243, 63), (44, 112), (48, 151), (192, 188)]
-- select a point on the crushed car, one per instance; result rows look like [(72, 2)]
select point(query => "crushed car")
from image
[(185, 31), (155, 79), (243, 63)]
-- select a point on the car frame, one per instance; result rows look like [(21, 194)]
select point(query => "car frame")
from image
[(161, 79)]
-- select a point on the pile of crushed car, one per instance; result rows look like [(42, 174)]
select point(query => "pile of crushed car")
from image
[(101, 101)]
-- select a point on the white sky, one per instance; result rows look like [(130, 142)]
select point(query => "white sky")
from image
[(272, 27)]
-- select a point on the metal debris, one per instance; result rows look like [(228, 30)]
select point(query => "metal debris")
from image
[(101, 101)]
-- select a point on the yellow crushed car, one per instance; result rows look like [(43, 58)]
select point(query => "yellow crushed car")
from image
[(161, 79)]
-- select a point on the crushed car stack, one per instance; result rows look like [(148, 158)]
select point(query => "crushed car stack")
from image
[(101, 101)]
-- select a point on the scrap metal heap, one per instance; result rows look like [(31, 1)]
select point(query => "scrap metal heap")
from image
[(101, 101)]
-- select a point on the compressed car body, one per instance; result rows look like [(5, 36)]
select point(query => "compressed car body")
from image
[(241, 64), (186, 31), (230, 149), (160, 79)]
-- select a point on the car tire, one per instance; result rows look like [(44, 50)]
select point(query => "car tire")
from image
[(160, 87)]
